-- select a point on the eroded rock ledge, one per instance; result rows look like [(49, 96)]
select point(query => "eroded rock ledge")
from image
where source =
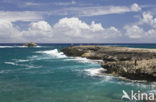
[(132, 63)]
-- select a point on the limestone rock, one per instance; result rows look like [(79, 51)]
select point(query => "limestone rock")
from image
[(132, 63), (31, 44)]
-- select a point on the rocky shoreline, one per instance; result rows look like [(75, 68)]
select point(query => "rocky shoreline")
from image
[(131, 63)]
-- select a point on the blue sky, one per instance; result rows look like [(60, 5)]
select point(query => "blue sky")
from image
[(79, 21)]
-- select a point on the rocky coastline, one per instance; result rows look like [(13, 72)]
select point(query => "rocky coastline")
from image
[(131, 63)]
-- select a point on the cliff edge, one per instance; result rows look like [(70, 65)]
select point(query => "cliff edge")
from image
[(132, 63)]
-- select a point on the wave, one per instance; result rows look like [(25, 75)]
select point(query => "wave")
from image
[(11, 63), (31, 66), (6, 46), (33, 47), (21, 60), (16, 46), (5, 71), (81, 60), (28, 66), (95, 71), (54, 53)]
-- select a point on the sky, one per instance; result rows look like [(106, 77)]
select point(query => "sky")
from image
[(78, 21)]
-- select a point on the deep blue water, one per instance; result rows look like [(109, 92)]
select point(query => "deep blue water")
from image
[(44, 74)]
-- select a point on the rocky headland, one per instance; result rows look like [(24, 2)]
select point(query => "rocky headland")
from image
[(131, 63)]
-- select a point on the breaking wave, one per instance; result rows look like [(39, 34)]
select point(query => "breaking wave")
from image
[(82, 60), (21, 60), (95, 71), (54, 53), (16, 46), (6, 46), (11, 63)]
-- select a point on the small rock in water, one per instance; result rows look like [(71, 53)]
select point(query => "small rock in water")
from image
[(31, 44)]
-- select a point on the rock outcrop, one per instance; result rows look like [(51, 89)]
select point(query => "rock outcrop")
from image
[(31, 44), (132, 63)]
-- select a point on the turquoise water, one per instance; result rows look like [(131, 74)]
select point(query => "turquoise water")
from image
[(44, 74)]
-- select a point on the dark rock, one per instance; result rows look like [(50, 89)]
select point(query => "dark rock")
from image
[(31, 44), (71, 51), (142, 71)]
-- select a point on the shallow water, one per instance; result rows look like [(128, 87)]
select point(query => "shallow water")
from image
[(44, 74)]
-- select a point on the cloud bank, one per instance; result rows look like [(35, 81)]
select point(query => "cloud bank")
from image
[(72, 29), (75, 30), (65, 30)]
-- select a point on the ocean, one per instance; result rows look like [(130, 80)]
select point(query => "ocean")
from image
[(45, 74)]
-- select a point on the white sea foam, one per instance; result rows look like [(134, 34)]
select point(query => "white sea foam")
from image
[(16, 46), (11, 63), (5, 71), (82, 60), (30, 66), (54, 53), (1, 72), (12, 46), (26, 46), (38, 46), (35, 57), (95, 71), (21, 60), (152, 91), (6, 46)]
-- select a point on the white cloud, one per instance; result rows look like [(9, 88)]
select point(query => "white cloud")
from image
[(72, 30), (137, 30), (134, 31), (71, 27), (31, 4), (135, 7), (138, 34), (98, 10), (148, 19), (96, 27), (8, 32), (20, 15), (75, 28), (35, 4), (65, 30), (65, 3), (143, 29), (151, 33), (41, 25), (38, 31)]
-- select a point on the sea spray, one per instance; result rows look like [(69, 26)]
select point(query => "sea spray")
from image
[(54, 53)]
